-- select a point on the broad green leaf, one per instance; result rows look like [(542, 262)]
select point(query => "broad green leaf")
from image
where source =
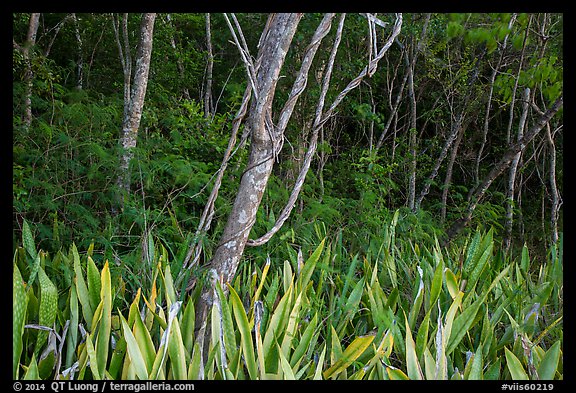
[(169, 286), (305, 340), (19, 304), (48, 307), (412, 365), (477, 365), (246, 337), (515, 366), (290, 331), (176, 351), (28, 241), (194, 369), (451, 283), (94, 365), (318, 371), (350, 354), (436, 283), (493, 372), (549, 363), (82, 290), (103, 338), (422, 336), (396, 374), (72, 340), (144, 340), (429, 365), (286, 369), (188, 326), (94, 283), (287, 276), (278, 321), (227, 324), (468, 316), (309, 266), (32, 370), (134, 352)]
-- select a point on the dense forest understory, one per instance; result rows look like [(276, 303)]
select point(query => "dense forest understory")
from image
[(287, 196)]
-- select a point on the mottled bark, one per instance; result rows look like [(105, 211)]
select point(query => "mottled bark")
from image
[(500, 167), (25, 50), (135, 104), (264, 141)]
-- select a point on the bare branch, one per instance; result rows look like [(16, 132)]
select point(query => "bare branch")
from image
[(244, 54)]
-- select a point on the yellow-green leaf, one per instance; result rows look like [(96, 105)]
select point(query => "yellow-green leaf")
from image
[(350, 354), (412, 364), (515, 366), (246, 337), (134, 352), (103, 338)]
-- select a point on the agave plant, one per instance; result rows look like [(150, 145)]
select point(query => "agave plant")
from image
[(405, 311)]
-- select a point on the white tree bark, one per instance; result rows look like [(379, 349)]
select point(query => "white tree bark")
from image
[(135, 104)]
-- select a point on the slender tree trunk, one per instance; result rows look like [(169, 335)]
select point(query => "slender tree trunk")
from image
[(133, 111), (29, 73), (80, 64), (511, 117), (556, 200), (208, 106), (510, 194), (500, 166), (448, 178), (412, 129)]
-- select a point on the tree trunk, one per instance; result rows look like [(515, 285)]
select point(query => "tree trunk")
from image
[(80, 65), (29, 73), (208, 106), (510, 194), (556, 200), (499, 167), (412, 130), (264, 142), (448, 178), (135, 104)]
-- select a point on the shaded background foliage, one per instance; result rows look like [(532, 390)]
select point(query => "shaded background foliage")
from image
[(65, 164)]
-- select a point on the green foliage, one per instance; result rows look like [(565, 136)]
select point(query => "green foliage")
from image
[(368, 333)]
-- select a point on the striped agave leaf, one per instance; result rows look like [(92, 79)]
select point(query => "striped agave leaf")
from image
[(19, 304), (48, 307)]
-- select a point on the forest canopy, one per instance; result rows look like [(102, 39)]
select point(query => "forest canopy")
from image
[(382, 152)]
